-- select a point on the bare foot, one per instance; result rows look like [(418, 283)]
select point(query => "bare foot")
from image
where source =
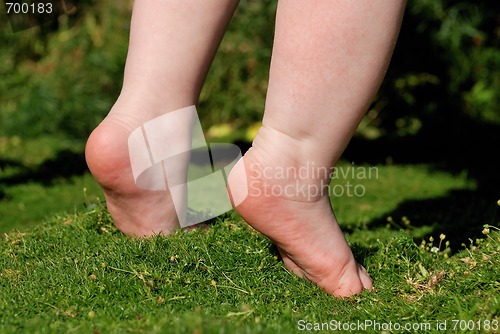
[(290, 210), (136, 212)]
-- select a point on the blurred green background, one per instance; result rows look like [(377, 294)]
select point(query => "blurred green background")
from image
[(439, 104), (61, 78)]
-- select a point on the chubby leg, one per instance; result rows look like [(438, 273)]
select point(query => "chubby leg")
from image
[(172, 44), (328, 62)]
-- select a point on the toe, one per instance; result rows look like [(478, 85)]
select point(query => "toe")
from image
[(365, 278)]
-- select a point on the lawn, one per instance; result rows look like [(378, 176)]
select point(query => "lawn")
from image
[(76, 273), (417, 229)]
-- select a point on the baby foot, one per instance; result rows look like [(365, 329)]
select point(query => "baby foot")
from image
[(294, 211)]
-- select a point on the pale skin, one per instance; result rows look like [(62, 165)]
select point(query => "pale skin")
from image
[(329, 58)]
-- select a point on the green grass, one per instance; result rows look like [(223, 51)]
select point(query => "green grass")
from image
[(65, 268), (41, 177), (78, 274), (44, 176)]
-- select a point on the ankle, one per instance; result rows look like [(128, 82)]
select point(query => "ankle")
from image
[(289, 149), (282, 166), (135, 107)]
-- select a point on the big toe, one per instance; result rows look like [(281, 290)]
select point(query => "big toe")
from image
[(365, 278), (352, 282)]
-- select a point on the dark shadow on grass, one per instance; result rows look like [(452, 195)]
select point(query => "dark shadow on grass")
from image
[(67, 163), (362, 252), (456, 147), (460, 215), (4, 163)]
